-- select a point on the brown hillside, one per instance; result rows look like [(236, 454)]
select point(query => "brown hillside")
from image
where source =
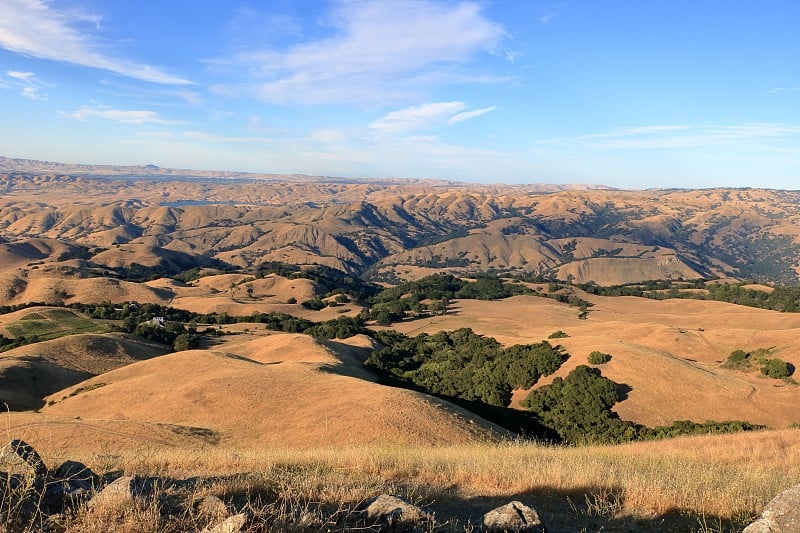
[(31, 372), (287, 390), (670, 353), (392, 224), (66, 285)]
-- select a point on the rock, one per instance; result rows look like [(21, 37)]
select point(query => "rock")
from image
[(77, 475), (396, 514), (213, 508), (21, 458), (233, 524), (781, 515), (514, 516), (123, 491)]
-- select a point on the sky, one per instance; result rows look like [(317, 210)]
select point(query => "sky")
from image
[(625, 93)]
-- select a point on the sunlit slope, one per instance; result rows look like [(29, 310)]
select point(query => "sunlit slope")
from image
[(287, 390), (669, 354), (385, 227)]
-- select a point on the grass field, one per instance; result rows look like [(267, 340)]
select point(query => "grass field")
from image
[(703, 484), (48, 324)]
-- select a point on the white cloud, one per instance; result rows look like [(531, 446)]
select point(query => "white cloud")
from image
[(776, 90), (418, 117), (378, 52), (28, 82), (682, 136), (213, 138), (190, 97), (127, 117), (34, 28), (24, 76), (32, 93), (155, 134), (327, 135), (466, 115), (427, 116)]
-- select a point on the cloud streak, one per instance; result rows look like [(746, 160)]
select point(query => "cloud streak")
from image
[(681, 136), (33, 28), (466, 115), (426, 116), (27, 81), (118, 115), (376, 52)]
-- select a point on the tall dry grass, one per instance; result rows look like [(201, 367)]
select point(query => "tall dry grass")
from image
[(730, 476)]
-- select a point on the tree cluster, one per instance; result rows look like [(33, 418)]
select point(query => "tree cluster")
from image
[(462, 364), (432, 294)]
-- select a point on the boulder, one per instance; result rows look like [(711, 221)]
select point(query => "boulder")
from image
[(514, 516), (123, 491), (76, 474), (396, 514), (212, 507), (781, 515), (19, 457), (233, 524)]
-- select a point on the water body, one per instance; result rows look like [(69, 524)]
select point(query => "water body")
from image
[(184, 203)]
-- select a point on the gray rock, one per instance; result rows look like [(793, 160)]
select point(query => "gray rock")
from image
[(514, 516), (781, 515), (212, 507), (233, 524), (19, 457), (76, 473), (123, 491), (396, 514)]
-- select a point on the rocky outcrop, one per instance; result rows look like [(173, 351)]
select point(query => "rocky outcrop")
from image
[(781, 515), (514, 516), (19, 457), (396, 514)]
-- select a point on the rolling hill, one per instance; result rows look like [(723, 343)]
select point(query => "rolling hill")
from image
[(162, 222), (275, 390)]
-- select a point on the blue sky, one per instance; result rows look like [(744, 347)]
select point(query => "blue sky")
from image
[(626, 93)]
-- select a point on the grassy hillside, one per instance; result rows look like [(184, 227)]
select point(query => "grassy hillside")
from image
[(144, 228), (702, 484)]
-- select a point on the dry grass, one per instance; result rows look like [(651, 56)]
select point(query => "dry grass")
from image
[(705, 482), (670, 353)]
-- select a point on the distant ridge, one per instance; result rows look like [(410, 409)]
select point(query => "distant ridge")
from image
[(148, 220), (32, 166)]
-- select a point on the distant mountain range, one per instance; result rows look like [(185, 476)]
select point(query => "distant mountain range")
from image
[(389, 229)]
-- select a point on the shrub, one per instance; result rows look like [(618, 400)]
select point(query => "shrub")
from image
[(578, 408), (186, 341), (776, 368), (315, 304), (599, 358), (738, 359), (558, 335)]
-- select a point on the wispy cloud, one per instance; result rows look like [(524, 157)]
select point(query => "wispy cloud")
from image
[(426, 116), (213, 138), (418, 117), (28, 83), (681, 136), (32, 93), (776, 90), (118, 115), (466, 115), (24, 76), (34, 28), (377, 52)]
